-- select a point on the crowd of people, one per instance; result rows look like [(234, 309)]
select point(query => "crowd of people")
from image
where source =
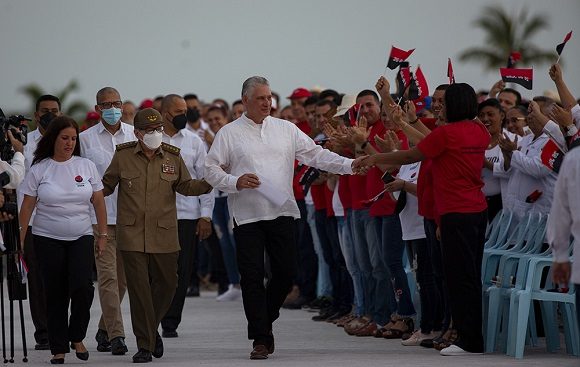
[(332, 199)]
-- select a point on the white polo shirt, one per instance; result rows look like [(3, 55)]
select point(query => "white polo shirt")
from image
[(98, 145)]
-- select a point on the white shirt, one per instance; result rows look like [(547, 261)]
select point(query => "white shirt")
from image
[(492, 185), (267, 150), (337, 207), (193, 154), (527, 174), (411, 221), (98, 145), (63, 191), (564, 217), (203, 126), (15, 170), (29, 149)]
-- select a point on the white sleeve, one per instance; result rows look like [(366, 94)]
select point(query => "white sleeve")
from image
[(560, 220), (552, 129), (15, 170), (499, 171), (206, 201), (30, 184), (576, 115), (532, 166), (314, 155), (216, 158), (95, 180)]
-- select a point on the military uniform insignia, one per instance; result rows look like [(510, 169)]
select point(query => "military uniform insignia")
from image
[(168, 168), (128, 144), (170, 148)]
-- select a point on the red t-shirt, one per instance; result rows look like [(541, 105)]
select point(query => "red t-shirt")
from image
[(457, 151), (344, 191), (328, 198), (386, 205), (318, 197), (358, 191), (296, 187), (304, 126), (425, 194)]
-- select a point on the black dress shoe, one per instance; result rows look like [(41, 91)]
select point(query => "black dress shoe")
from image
[(42, 346), (118, 346), (83, 356), (103, 344), (192, 292), (57, 361), (142, 356), (297, 305), (158, 351), (169, 334), (325, 314)]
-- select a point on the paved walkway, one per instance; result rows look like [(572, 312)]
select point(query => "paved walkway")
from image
[(214, 334)]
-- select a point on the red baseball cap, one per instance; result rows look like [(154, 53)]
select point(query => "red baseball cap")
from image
[(92, 115), (147, 103), (300, 93)]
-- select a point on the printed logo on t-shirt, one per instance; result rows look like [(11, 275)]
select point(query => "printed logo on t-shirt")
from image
[(79, 180)]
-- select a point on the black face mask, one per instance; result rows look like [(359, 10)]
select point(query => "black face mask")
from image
[(46, 119), (193, 114), (179, 121)]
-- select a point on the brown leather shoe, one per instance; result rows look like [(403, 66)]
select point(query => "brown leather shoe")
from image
[(367, 330), (356, 324), (260, 352), (345, 320)]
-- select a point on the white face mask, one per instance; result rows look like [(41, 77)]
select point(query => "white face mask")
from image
[(153, 140)]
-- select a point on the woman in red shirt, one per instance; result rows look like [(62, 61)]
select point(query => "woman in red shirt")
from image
[(457, 151)]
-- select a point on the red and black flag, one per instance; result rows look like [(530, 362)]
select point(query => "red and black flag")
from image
[(419, 87), (523, 77), (450, 74), (397, 56), (403, 79), (515, 56), (560, 47), (552, 156)]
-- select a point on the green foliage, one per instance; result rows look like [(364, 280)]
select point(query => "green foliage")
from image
[(504, 34), (75, 108)]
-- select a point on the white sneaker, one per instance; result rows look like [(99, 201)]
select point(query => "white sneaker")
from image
[(417, 337), (454, 350), (232, 294)]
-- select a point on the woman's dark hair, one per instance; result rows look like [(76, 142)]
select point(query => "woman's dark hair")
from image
[(45, 148), (460, 102), (490, 102), (522, 109)]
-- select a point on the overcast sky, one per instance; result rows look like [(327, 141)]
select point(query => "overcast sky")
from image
[(145, 48)]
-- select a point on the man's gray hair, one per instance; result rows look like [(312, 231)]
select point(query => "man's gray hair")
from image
[(251, 82)]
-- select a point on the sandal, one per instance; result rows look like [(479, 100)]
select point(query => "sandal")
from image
[(402, 326), (380, 332)]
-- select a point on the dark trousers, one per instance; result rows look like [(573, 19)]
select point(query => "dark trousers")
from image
[(67, 268), (462, 241), (342, 288), (187, 241), (428, 291), (494, 205), (36, 293), (262, 304), (442, 314), (307, 259), (151, 284)]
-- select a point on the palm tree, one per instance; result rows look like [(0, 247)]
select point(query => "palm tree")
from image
[(504, 34), (75, 108)]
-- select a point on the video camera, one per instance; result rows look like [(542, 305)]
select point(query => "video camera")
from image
[(19, 128)]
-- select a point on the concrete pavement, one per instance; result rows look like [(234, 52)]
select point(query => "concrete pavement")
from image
[(214, 334)]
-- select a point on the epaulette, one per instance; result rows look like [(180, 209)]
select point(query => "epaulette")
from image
[(170, 148), (129, 144)]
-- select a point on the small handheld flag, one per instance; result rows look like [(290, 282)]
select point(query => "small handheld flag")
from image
[(523, 77), (514, 57), (560, 47), (450, 74), (419, 87), (397, 56), (552, 156)]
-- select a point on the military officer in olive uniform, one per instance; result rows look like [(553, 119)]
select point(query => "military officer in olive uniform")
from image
[(149, 174)]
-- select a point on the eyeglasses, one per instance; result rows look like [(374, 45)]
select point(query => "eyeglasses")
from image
[(516, 119), (107, 105), (151, 131)]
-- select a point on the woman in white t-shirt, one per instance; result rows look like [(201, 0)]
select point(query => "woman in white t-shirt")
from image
[(64, 188)]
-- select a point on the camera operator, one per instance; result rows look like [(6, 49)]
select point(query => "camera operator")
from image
[(47, 108)]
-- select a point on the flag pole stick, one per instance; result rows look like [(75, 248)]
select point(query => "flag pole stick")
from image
[(558, 60), (385, 72)]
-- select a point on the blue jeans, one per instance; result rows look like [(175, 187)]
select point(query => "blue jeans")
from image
[(324, 286), (378, 293), (392, 249), (578, 304), (221, 219), (348, 251)]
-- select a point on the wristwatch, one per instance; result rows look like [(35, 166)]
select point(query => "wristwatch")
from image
[(207, 219)]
